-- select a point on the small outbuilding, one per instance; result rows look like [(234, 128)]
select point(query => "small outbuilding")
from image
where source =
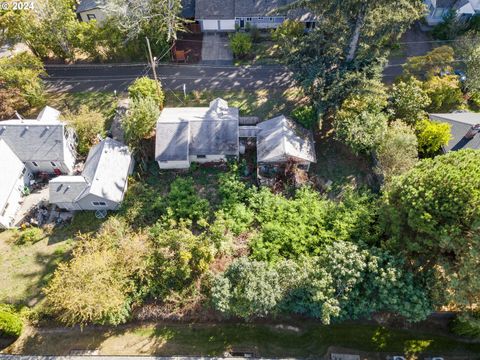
[(102, 184), (280, 140)]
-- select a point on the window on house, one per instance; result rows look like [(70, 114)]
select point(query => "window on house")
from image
[(201, 156), (53, 164), (91, 17), (249, 19), (34, 164), (99, 203)]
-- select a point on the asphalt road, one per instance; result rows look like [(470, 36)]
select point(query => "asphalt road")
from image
[(76, 78)]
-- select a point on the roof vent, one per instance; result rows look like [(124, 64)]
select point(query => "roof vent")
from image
[(474, 130)]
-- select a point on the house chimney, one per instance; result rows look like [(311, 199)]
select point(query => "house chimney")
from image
[(474, 130)]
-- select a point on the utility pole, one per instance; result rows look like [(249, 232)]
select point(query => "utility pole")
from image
[(154, 68)]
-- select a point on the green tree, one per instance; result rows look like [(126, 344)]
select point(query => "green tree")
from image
[(468, 49), (88, 124), (11, 100), (360, 123), (430, 64), (432, 136), (140, 121), (11, 324), (145, 87), (288, 34), (408, 101), (241, 44), (349, 44), (431, 216), (23, 72), (444, 93), (398, 151)]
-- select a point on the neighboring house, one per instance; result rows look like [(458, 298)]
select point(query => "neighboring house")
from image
[(437, 9), (197, 134), (227, 15), (465, 130), (13, 179), (281, 140), (45, 144), (88, 10), (102, 184)]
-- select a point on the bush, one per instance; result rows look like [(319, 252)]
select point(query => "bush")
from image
[(11, 325), (241, 44), (432, 136), (475, 100), (29, 236), (145, 87), (306, 116), (184, 202), (140, 121), (408, 101), (467, 325), (88, 124), (444, 93), (288, 31), (398, 151)]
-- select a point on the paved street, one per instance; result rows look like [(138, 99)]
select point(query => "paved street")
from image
[(75, 78)]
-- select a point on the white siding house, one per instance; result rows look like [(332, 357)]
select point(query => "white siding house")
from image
[(13, 179), (437, 9), (196, 134), (88, 10), (102, 184), (44, 144)]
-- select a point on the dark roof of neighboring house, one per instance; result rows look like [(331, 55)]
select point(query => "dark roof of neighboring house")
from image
[(188, 8), (86, 5), (209, 130), (214, 9), (461, 123), (229, 9), (451, 4)]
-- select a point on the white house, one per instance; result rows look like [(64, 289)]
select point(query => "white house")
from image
[(437, 9), (196, 134), (102, 184), (88, 10), (13, 179), (226, 15), (44, 144)]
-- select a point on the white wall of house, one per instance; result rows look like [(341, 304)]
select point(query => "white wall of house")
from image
[(50, 166), (207, 158), (93, 202), (94, 14), (165, 165), (435, 14), (8, 212), (261, 22)]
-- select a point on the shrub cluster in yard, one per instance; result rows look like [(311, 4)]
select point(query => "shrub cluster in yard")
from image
[(11, 323)]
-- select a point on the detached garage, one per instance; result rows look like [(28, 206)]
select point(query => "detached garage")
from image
[(215, 15)]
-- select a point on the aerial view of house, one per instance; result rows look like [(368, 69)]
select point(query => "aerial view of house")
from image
[(200, 134), (102, 183), (240, 179), (465, 129)]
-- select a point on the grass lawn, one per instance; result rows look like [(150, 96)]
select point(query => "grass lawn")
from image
[(103, 101), (307, 339), (25, 269), (265, 103)]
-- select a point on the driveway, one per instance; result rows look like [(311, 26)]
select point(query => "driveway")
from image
[(216, 49)]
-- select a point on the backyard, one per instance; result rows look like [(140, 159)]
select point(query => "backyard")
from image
[(299, 339)]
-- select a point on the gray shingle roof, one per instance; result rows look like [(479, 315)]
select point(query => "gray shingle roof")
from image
[(229, 9), (197, 131), (280, 138), (41, 139), (461, 123), (86, 5), (105, 175)]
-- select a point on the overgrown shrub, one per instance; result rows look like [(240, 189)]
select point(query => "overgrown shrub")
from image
[(408, 100), (11, 324), (140, 121), (432, 136), (444, 92), (145, 87), (241, 44), (29, 236), (306, 116), (184, 202), (467, 324)]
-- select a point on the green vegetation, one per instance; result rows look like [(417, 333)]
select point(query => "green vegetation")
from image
[(432, 136), (241, 44), (140, 121), (306, 116), (88, 124), (11, 324), (145, 87)]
